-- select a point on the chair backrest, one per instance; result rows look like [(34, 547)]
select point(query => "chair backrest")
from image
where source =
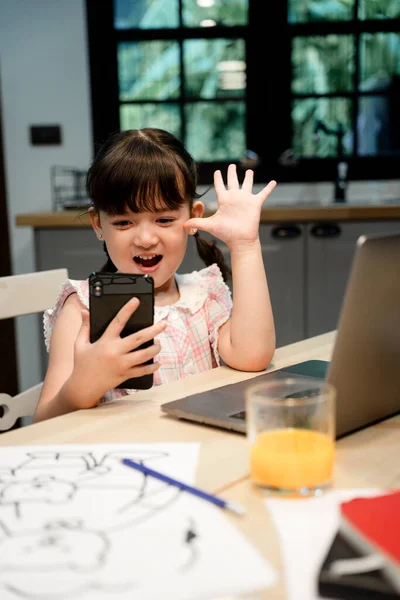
[(30, 293), (23, 295)]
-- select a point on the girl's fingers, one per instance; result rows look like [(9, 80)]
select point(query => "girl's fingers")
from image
[(140, 357), (194, 223), (133, 341), (265, 192), (233, 182), (219, 185), (203, 224), (139, 371), (122, 317), (247, 185)]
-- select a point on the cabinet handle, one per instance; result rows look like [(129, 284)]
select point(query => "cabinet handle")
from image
[(286, 231), (325, 230)]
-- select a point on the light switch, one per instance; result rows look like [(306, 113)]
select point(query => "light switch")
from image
[(45, 135)]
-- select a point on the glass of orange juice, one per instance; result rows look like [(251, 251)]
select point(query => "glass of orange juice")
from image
[(291, 433)]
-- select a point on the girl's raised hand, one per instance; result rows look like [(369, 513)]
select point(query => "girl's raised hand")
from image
[(237, 219), (111, 360)]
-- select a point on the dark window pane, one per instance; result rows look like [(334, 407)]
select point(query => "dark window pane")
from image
[(146, 14), (379, 9), (148, 70), (323, 64), (214, 68), (310, 141), (304, 11), (215, 131), (379, 60), (214, 12), (378, 125), (164, 116)]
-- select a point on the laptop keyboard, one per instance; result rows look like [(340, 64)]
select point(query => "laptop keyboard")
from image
[(241, 414)]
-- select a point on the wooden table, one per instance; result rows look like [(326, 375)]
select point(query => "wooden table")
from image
[(368, 458)]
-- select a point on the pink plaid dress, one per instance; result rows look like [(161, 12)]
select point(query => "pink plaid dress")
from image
[(189, 344)]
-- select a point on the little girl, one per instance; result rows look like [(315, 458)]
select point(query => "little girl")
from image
[(142, 185)]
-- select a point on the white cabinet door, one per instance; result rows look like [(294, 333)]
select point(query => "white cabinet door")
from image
[(330, 249), (76, 249), (283, 255), (284, 261)]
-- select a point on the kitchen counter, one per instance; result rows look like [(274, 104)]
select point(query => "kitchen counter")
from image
[(274, 213)]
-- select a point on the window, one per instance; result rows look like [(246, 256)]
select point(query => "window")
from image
[(345, 82), (302, 83)]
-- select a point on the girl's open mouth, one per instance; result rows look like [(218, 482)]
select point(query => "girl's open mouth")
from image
[(147, 262)]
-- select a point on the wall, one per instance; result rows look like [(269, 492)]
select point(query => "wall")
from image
[(45, 80)]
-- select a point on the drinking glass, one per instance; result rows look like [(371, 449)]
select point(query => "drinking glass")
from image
[(291, 434)]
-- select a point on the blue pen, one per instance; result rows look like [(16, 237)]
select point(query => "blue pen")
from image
[(232, 506)]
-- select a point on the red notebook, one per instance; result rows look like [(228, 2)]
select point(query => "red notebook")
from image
[(373, 525)]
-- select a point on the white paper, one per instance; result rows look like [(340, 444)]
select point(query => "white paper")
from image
[(306, 528), (77, 523)]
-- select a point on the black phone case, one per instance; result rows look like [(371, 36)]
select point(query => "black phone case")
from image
[(108, 292)]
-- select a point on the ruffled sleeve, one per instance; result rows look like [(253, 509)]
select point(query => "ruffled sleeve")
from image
[(218, 305), (50, 316)]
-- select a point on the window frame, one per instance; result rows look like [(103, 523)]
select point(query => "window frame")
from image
[(268, 94)]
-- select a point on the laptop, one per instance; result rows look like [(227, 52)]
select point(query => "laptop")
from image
[(365, 362)]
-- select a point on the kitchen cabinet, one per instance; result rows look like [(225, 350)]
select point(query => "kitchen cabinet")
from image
[(76, 249), (329, 250), (283, 255)]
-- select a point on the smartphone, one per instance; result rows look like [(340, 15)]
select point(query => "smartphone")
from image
[(108, 292)]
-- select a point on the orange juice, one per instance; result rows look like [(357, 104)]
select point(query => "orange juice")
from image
[(292, 459)]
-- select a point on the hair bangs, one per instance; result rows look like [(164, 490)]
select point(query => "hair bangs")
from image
[(141, 175), (156, 187)]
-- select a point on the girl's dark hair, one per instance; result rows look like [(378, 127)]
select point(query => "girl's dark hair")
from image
[(140, 168)]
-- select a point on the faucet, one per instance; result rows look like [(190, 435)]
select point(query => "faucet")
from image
[(340, 183), (250, 160)]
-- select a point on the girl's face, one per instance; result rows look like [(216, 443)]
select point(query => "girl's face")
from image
[(151, 243)]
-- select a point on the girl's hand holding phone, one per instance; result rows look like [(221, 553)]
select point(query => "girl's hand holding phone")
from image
[(110, 360)]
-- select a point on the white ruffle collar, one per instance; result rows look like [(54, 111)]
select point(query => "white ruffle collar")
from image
[(193, 291)]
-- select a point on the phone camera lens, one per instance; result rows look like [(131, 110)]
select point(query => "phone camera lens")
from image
[(98, 289)]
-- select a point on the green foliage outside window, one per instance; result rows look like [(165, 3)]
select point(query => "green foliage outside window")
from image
[(214, 68), (222, 12), (146, 14), (137, 116), (216, 132), (333, 113), (379, 9), (308, 11), (379, 60), (148, 70), (323, 64)]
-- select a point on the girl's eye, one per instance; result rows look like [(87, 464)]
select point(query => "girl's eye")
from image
[(121, 223), (165, 221)]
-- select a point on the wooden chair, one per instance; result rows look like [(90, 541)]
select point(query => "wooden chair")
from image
[(22, 295)]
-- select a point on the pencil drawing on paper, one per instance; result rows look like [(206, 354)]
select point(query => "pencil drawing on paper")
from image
[(79, 519)]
